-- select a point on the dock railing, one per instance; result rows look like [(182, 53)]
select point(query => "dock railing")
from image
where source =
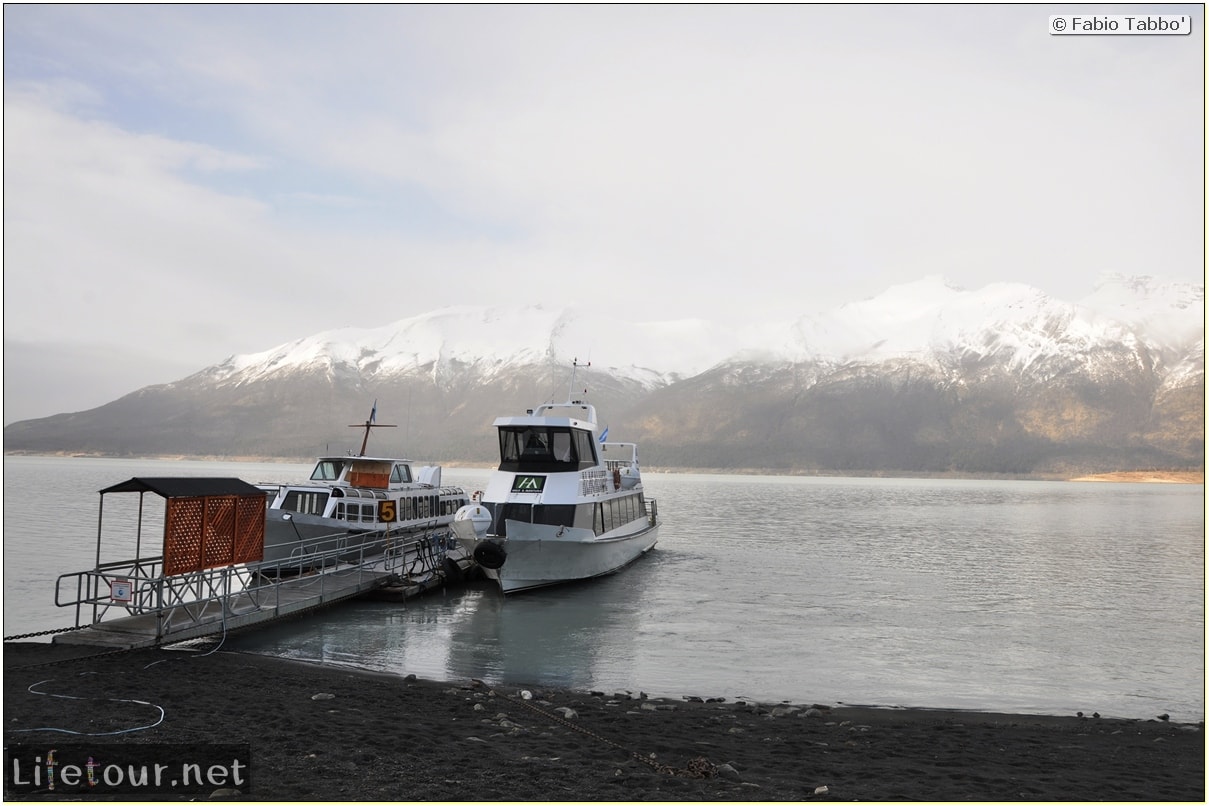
[(179, 603)]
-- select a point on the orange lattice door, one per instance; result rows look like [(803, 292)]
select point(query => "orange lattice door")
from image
[(249, 529), (211, 531)]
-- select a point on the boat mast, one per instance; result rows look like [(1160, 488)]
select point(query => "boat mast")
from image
[(571, 386), (370, 424)]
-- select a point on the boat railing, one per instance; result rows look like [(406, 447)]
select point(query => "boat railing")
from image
[(624, 453), (620, 456), (595, 481), (176, 603), (360, 492)]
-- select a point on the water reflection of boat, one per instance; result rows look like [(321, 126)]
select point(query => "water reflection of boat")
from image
[(570, 638), (358, 506), (564, 504)]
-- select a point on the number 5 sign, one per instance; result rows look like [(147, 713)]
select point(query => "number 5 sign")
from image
[(387, 512)]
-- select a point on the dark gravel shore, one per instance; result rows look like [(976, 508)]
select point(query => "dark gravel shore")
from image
[(380, 737)]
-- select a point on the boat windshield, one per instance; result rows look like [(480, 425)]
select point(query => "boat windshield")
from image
[(327, 470), (546, 449)]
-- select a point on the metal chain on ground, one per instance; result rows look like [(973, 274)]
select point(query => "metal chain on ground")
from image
[(699, 767), (45, 632)]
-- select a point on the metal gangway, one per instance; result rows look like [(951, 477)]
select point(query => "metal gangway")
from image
[(222, 584)]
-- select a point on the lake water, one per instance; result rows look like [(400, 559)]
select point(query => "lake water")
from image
[(1016, 596)]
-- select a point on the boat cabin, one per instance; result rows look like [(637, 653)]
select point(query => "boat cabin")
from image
[(554, 438), (357, 471), (546, 449)]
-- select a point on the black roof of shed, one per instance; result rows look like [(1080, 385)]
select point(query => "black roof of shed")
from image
[(185, 486)]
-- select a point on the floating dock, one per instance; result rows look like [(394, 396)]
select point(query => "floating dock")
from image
[(267, 602), (210, 578)]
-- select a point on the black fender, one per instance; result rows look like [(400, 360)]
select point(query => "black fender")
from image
[(453, 571), (490, 554)]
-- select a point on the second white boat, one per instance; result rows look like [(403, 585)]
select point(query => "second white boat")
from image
[(563, 505)]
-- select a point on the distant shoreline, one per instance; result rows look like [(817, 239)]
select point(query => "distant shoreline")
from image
[(1149, 476), (1153, 476)]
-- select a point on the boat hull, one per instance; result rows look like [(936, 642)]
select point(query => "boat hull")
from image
[(538, 555)]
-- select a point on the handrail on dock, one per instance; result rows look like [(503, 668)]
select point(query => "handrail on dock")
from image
[(179, 603)]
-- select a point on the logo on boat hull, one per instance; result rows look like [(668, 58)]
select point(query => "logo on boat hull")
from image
[(528, 484)]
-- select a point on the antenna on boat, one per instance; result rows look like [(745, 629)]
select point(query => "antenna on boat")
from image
[(370, 424), (571, 387)]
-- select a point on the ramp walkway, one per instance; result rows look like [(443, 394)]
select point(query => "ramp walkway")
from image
[(232, 598), (152, 601)]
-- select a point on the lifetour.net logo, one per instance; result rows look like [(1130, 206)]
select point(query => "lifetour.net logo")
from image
[(148, 769)]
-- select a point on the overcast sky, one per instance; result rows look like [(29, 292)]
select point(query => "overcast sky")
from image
[(184, 183)]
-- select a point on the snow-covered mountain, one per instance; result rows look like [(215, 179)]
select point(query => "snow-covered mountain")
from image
[(927, 321), (925, 377), (493, 341)]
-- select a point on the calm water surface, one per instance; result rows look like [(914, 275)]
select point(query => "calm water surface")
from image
[(1018, 596)]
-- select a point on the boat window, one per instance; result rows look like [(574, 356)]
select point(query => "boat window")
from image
[(617, 512), (326, 470), (513, 512), (586, 448), (554, 514), (400, 474), (544, 448), (305, 502)]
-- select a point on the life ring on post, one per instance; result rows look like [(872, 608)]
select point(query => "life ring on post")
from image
[(489, 554)]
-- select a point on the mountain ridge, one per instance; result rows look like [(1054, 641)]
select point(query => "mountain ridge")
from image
[(924, 378), (928, 317)]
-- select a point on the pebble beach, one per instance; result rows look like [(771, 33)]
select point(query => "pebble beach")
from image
[(324, 733)]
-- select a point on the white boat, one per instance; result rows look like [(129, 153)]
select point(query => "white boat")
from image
[(564, 504), (355, 507)]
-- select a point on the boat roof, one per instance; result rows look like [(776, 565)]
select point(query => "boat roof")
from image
[(185, 486), (555, 414), (350, 458)]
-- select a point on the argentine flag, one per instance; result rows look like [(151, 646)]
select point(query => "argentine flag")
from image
[(604, 434)]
